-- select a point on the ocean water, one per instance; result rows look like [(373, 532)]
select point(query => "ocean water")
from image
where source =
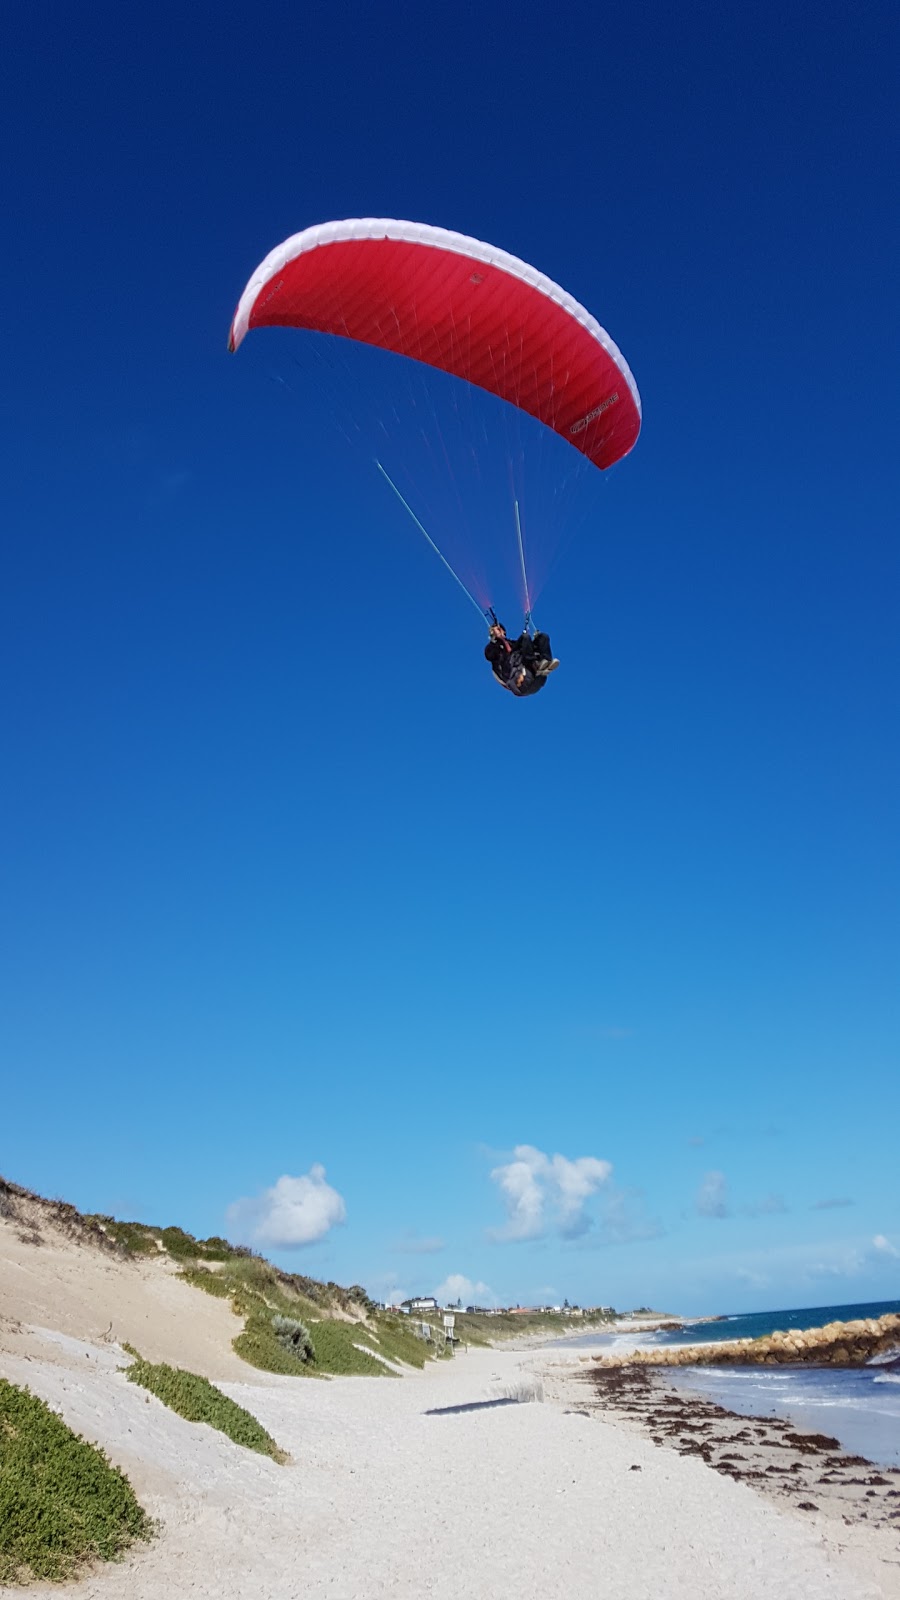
[(859, 1406), (753, 1325)]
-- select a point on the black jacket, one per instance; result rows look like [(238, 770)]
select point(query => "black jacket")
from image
[(500, 652), (508, 657)]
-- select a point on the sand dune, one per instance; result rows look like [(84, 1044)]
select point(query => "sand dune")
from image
[(75, 1288)]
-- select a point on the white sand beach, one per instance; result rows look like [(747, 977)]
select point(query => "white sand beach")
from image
[(381, 1497)]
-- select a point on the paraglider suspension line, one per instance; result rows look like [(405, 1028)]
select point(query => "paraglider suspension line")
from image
[(423, 530), (529, 624)]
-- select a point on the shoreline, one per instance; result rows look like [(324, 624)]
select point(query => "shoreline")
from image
[(810, 1472)]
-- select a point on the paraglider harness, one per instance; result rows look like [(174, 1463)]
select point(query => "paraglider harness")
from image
[(517, 660)]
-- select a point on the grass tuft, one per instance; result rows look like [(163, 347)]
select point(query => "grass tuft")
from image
[(198, 1400), (62, 1502)]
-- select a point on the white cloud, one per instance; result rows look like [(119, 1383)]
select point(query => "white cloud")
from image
[(884, 1247), (457, 1287), (543, 1193), (293, 1213), (712, 1196)]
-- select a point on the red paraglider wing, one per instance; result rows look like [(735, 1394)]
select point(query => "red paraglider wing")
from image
[(454, 303)]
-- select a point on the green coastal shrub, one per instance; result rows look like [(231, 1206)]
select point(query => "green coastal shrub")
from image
[(260, 1347), (335, 1345), (198, 1400), (133, 1237), (61, 1501), (396, 1340), (337, 1350), (183, 1246), (294, 1337), (217, 1249)]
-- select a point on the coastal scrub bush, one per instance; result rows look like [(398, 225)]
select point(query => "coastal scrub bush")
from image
[(61, 1500), (134, 1237), (216, 1249), (294, 1336), (198, 1400), (260, 1347), (335, 1344), (138, 1238), (181, 1245)]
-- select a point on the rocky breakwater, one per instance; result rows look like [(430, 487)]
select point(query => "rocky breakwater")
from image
[(838, 1344)]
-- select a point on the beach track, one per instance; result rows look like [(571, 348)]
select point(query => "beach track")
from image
[(389, 1493)]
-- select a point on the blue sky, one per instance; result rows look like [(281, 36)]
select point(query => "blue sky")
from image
[(594, 995)]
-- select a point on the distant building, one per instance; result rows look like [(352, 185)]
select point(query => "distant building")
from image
[(424, 1302)]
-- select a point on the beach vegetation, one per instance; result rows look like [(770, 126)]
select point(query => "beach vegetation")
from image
[(217, 1249), (397, 1341), (183, 1246), (198, 1400), (133, 1237), (141, 1239), (326, 1345), (62, 1502), (259, 1345), (274, 1303), (349, 1349), (294, 1336), (210, 1282)]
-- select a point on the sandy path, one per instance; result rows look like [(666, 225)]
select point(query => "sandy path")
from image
[(382, 1499)]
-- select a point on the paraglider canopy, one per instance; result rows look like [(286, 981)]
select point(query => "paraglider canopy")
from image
[(455, 303)]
